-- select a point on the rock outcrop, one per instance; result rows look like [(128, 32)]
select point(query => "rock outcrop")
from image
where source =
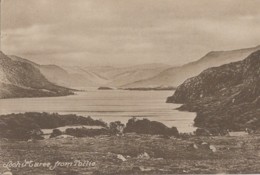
[(225, 97)]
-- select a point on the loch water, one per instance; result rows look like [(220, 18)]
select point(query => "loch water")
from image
[(108, 105)]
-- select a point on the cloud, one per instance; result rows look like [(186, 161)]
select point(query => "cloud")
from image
[(118, 32)]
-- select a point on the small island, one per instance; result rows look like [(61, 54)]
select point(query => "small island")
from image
[(160, 88), (105, 88)]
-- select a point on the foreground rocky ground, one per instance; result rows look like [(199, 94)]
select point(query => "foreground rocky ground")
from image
[(135, 154)]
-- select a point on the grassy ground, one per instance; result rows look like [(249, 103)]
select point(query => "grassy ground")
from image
[(167, 156)]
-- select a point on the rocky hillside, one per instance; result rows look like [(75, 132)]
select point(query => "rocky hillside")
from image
[(174, 76), (22, 79), (225, 97)]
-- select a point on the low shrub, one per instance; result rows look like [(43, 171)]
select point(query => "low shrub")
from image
[(21, 126), (146, 126), (84, 132), (55, 133)]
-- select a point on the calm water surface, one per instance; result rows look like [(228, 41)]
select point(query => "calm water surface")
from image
[(109, 106)]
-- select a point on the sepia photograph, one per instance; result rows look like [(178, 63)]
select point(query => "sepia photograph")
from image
[(129, 87)]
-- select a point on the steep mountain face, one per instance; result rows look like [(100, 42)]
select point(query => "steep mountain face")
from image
[(176, 75), (225, 97), (21, 79)]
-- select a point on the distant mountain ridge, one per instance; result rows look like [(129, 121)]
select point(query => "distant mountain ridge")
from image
[(225, 97), (58, 75), (174, 76), (80, 77), (138, 76), (22, 79), (122, 76)]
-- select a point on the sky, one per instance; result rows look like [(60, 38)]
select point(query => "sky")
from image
[(126, 32)]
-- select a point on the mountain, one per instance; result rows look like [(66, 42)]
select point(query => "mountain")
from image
[(174, 76), (60, 76), (128, 75), (22, 79), (80, 77), (117, 77), (138, 76), (85, 77), (225, 97)]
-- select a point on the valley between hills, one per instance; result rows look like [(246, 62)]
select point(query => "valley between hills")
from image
[(223, 88), (153, 75), (219, 95)]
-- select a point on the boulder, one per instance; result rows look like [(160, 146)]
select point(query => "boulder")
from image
[(143, 156), (121, 157), (213, 148), (195, 146), (8, 173)]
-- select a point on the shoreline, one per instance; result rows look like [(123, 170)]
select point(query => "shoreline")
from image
[(73, 93), (31, 125), (90, 104)]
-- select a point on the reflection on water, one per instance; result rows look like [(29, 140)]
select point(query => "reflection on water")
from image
[(108, 106)]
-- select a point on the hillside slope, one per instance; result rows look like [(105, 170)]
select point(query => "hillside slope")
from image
[(121, 76), (80, 77), (58, 75), (84, 77), (21, 79), (225, 97), (176, 75), (128, 75)]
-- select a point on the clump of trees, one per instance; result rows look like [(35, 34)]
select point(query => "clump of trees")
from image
[(55, 133), (28, 126), (146, 126), (12, 128), (116, 127), (133, 125), (24, 126)]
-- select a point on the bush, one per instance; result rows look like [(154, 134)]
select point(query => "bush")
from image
[(202, 132), (146, 126), (116, 127), (185, 135), (55, 133), (21, 126)]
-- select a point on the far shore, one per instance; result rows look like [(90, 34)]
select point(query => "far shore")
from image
[(139, 88)]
